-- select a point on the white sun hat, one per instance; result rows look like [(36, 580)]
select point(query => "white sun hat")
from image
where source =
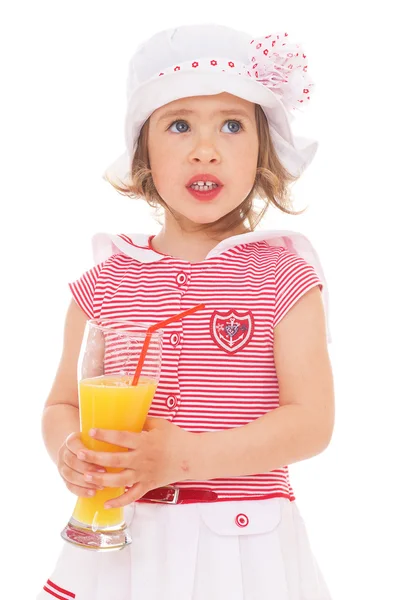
[(196, 60)]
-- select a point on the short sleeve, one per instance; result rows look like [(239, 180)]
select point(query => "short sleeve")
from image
[(83, 290), (293, 278)]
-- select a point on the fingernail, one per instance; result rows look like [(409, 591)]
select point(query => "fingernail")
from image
[(101, 470), (81, 456), (107, 505), (92, 432), (88, 477)]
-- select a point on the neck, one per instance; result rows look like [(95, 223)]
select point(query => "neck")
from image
[(192, 246)]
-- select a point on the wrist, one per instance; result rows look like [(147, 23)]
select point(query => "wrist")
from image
[(194, 463)]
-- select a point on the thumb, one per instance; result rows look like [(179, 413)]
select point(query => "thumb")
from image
[(151, 423)]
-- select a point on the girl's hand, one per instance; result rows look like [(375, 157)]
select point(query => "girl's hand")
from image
[(72, 468), (156, 457)]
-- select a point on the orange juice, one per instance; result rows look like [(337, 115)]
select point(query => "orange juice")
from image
[(109, 402)]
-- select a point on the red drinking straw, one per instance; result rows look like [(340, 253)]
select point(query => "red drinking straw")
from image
[(154, 328)]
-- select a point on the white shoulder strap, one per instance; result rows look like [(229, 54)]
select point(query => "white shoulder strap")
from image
[(134, 245)]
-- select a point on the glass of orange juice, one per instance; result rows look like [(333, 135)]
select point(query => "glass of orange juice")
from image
[(108, 400)]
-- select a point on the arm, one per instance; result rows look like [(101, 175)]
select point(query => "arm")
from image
[(302, 426), (61, 411), (60, 419)]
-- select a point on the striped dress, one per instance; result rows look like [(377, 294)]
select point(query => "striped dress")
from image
[(218, 368)]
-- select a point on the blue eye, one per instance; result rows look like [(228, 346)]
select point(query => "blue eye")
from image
[(228, 121)]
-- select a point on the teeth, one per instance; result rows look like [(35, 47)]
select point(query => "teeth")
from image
[(203, 186)]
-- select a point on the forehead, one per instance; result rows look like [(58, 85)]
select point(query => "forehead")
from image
[(214, 104)]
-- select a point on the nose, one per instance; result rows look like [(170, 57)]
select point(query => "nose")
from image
[(205, 150)]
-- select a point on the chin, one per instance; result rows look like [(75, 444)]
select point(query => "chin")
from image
[(205, 219)]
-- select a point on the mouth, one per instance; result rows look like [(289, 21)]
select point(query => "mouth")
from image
[(202, 179), (205, 195)]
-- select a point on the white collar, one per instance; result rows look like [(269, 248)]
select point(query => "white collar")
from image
[(136, 245)]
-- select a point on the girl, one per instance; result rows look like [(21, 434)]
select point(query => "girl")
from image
[(246, 386)]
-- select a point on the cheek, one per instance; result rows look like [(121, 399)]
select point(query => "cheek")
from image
[(164, 169), (246, 165)]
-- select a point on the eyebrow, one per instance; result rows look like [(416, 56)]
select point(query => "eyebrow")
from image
[(185, 111)]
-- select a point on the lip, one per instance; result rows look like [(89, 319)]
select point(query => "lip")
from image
[(205, 196), (204, 177)]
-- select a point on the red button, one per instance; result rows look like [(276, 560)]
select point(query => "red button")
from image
[(171, 401), (242, 520), (174, 339), (181, 278)]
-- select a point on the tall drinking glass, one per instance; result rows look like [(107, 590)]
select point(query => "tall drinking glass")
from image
[(108, 400)]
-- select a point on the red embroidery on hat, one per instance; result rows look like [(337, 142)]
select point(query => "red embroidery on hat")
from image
[(265, 52), (306, 91), (195, 64), (258, 46), (213, 62), (286, 34), (232, 330), (176, 69), (231, 64)]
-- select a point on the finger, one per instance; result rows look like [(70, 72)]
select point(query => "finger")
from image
[(81, 492), (137, 491), (73, 478), (125, 439), (113, 480), (75, 445), (151, 423), (73, 442), (78, 465), (118, 460)]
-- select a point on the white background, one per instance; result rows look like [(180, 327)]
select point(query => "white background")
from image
[(63, 77)]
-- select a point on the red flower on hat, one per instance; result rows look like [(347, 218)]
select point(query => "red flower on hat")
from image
[(281, 70)]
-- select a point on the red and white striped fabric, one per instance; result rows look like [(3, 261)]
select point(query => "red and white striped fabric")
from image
[(55, 591), (218, 368)]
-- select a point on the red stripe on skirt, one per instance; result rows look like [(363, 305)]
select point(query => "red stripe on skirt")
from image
[(54, 594), (62, 590)]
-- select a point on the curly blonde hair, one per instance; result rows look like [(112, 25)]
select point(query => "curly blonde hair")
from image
[(271, 183)]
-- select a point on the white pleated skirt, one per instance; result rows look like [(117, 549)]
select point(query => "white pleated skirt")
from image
[(241, 550)]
